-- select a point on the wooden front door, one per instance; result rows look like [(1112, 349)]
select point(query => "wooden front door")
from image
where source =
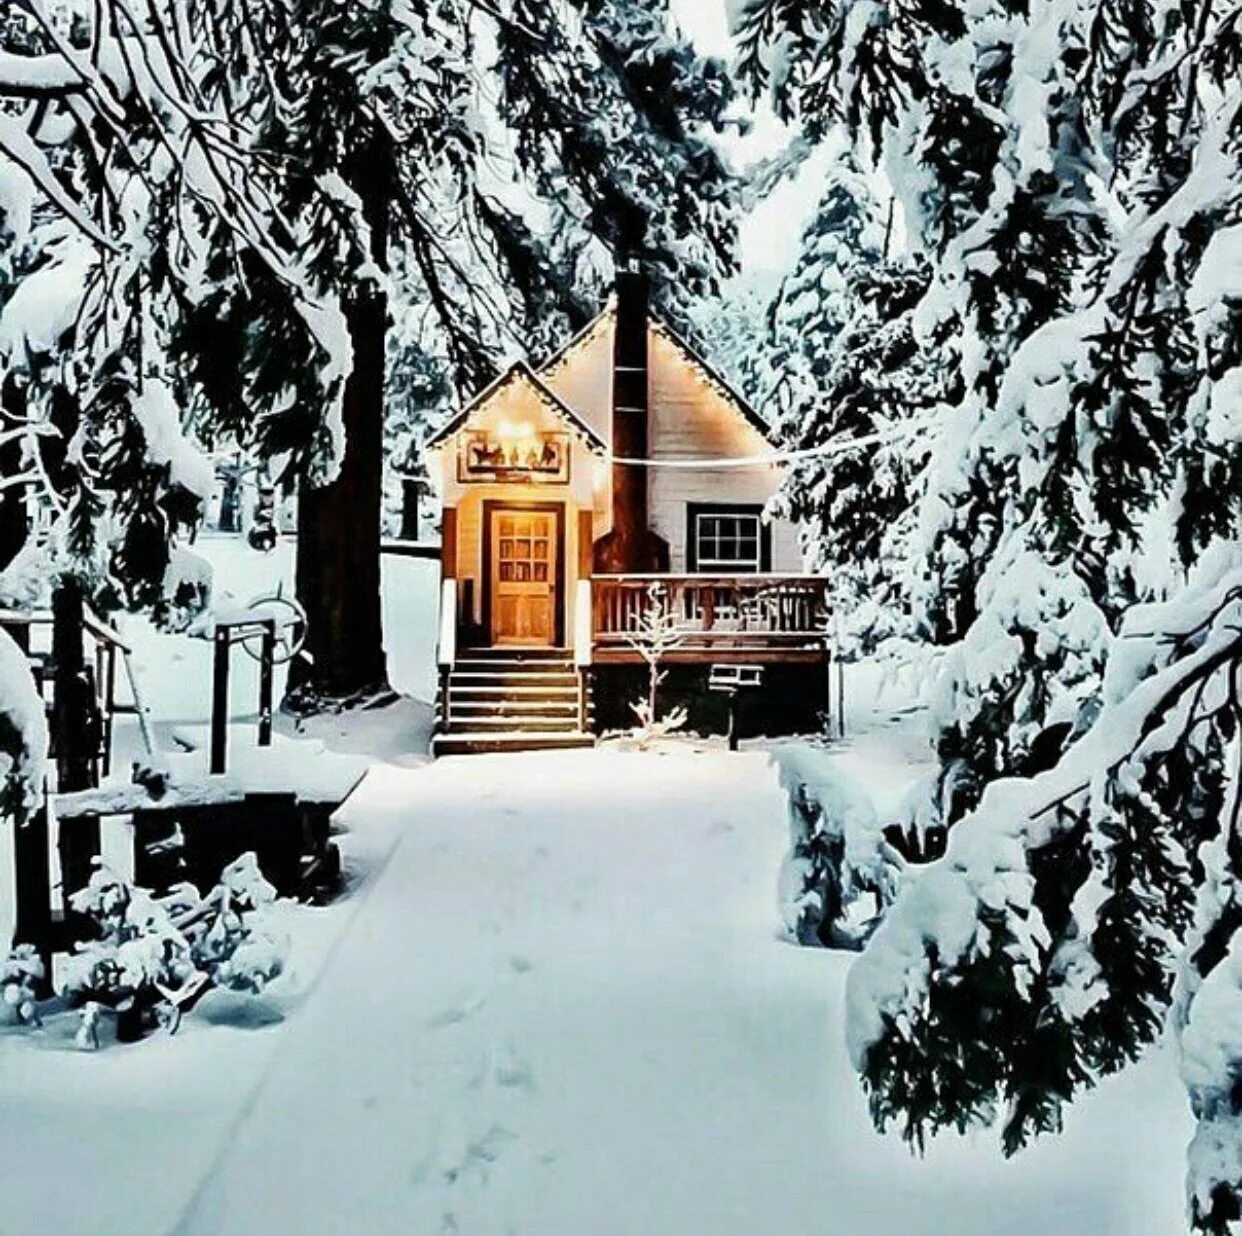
[(524, 571)]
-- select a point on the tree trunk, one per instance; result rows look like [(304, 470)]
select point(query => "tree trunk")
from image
[(409, 510), (338, 567), (75, 740)]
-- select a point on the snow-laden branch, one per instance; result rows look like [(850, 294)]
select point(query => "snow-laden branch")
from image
[(39, 77), (942, 914)]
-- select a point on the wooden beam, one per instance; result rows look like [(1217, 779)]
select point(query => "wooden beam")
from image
[(586, 543), (607, 654)]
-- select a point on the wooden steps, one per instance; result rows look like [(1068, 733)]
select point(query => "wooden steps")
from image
[(511, 699)]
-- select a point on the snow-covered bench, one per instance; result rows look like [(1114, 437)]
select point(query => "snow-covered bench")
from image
[(189, 824)]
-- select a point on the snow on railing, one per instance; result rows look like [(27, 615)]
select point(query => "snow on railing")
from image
[(446, 648), (777, 608)]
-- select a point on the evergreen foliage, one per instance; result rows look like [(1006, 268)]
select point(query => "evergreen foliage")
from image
[(1070, 184), (234, 202), (155, 955)]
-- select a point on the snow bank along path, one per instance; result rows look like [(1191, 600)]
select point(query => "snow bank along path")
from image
[(563, 1010)]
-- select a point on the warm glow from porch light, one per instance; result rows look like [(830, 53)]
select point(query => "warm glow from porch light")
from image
[(512, 435)]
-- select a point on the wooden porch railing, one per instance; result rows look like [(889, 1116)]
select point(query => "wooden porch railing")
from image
[(707, 608)]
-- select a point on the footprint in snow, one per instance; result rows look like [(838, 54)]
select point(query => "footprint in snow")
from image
[(520, 965), (480, 1154), (511, 1070), (455, 1014)]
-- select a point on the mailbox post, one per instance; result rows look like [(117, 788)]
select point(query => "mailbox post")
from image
[(731, 681)]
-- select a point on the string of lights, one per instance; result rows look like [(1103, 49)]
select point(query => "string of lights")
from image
[(833, 446)]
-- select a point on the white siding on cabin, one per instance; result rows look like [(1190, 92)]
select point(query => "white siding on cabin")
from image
[(583, 378), (689, 418)]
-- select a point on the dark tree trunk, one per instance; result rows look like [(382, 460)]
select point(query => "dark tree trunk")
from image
[(338, 568), (230, 500), (409, 510), (75, 733), (75, 741)]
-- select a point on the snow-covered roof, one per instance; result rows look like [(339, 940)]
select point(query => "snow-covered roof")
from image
[(657, 322), (520, 371)]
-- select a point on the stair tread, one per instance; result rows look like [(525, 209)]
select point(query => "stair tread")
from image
[(512, 699), (517, 688), (518, 707), (504, 673), (473, 725), (468, 742), (516, 650), (517, 735), (504, 667)]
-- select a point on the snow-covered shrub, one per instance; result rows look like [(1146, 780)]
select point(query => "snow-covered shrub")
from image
[(186, 591), (21, 972), (229, 944), (155, 956), (838, 856), (141, 960)]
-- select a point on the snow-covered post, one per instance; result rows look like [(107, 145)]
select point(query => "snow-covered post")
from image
[(446, 646), (23, 758), (221, 645), (584, 636)]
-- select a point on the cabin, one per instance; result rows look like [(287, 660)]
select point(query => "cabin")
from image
[(576, 530)]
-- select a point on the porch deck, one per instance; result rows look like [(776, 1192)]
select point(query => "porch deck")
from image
[(510, 697), (760, 618)]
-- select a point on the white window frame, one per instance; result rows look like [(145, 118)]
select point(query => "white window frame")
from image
[(709, 565)]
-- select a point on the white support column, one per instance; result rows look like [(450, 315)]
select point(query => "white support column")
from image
[(584, 635)]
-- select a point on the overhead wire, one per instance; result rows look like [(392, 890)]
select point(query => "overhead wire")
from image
[(839, 445)]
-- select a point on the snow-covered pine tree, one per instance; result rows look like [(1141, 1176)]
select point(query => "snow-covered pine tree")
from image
[(845, 232), (271, 175), (1074, 179), (612, 111), (842, 340), (733, 332), (137, 186)]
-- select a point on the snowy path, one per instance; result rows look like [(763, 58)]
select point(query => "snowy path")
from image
[(562, 1010)]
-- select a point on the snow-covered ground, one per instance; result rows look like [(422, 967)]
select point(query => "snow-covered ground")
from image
[(554, 1002), (174, 672), (114, 1142), (564, 1009)]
